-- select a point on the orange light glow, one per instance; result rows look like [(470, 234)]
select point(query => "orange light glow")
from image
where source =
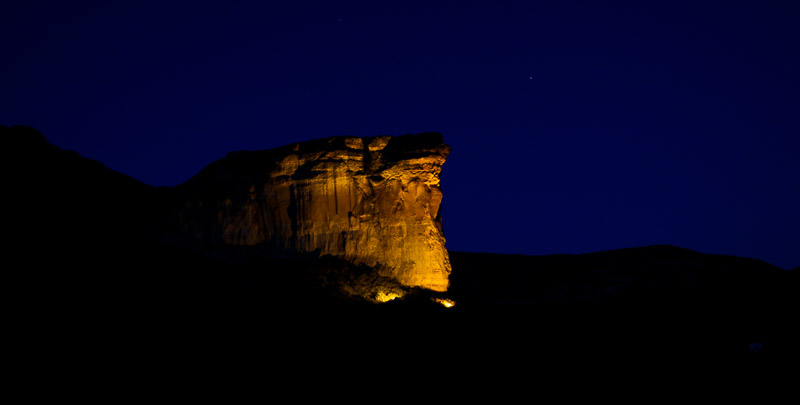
[(447, 303), (384, 296)]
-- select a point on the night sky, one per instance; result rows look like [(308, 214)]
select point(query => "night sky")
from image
[(575, 126)]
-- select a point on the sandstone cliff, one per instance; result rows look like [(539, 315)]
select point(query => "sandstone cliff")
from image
[(372, 201)]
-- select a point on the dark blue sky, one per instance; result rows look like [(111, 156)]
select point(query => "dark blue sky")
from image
[(575, 126)]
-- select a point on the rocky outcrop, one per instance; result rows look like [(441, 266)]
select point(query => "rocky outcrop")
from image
[(370, 201)]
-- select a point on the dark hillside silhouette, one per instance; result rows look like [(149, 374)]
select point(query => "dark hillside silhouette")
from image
[(91, 284)]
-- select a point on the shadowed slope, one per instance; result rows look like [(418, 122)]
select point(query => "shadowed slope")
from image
[(658, 303), (91, 284)]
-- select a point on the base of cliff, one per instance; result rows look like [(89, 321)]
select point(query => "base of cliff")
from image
[(94, 301), (172, 306)]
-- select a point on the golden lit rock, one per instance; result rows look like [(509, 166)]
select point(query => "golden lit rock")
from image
[(372, 201), (386, 296), (445, 302)]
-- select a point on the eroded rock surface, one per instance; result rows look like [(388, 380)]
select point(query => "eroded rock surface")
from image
[(372, 201)]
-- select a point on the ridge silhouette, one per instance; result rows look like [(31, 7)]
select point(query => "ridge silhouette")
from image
[(84, 260)]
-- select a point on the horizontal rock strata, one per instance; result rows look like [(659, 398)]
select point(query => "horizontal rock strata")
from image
[(372, 201)]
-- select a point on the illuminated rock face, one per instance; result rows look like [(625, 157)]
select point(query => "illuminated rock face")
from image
[(372, 201)]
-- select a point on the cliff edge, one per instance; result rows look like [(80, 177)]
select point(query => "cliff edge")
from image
[(371, 201)]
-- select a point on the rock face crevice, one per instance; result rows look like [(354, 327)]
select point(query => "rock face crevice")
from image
[(373, 201)]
